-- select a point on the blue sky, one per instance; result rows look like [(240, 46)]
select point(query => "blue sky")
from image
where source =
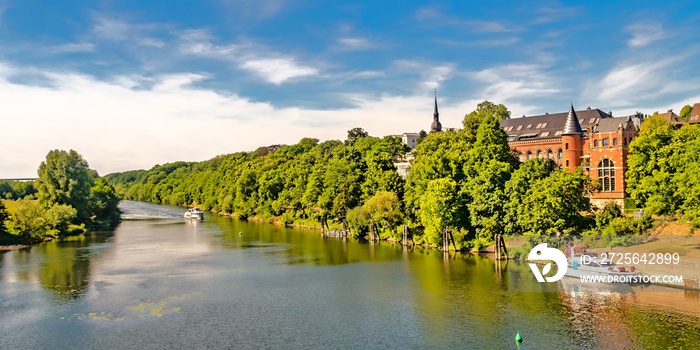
[(131, 84)]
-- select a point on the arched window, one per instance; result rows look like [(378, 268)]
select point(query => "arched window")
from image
[(521, 158), (595, 143), (529, 155), (606, 175), (614, 142), (550, 154), (560, 154), (539, 154), (605, 142)]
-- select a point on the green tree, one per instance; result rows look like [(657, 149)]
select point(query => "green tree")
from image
[(483, 110), (3, 217), (685, 112), (28, 220), (355, 134), (59, 217), (517, 188), (649, 171), (556, 203), (103, 203), (65, 178), (438, 208), (610, 212), (384, 209), (6, 191), (489, 167)]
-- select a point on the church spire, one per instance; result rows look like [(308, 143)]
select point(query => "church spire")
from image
[(436, 126)]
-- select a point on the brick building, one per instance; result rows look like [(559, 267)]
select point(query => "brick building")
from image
[(695, 114), (588, 138)]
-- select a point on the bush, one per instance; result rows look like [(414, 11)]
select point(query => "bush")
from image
[(610, 212)]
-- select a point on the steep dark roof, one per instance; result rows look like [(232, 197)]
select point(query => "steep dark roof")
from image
[(572, 125), (612, 124), (672, 118), (548, 126)]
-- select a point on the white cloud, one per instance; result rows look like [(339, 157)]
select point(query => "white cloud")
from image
[(512, 81), (432, 74), (119, 30), (277, 70), (645, 33), (355, 43), (117, 127), (435, 17), (273, 67), (72, 47), (629, 82)]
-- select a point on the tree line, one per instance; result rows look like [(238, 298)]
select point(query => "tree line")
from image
[(66, 196), (466, 180)]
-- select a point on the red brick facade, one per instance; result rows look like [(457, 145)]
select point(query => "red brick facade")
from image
[(600, 148)]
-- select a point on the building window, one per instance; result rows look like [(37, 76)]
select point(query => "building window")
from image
[(605, 142), (614, 142), (566, 145), (567, 163), (606, 175), (550, 154), (521, 158), (560, 154), (520, 127), (539, 154), (529, 155), (529, 126), (595, 143), (624, 141)]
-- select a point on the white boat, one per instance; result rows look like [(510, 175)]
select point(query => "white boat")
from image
[(194, 213)]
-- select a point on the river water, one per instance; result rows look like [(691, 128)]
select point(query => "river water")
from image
[(160, 281)]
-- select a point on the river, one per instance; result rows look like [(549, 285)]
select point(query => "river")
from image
[(160, 281)]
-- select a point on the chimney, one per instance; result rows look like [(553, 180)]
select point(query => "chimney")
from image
[(670, 110), (610, 113)]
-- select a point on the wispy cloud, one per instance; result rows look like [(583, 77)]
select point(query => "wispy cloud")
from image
[(272, 66), (480, 43), (120, 30), (71, 47), (256, 9), (644, 33), (431, 74), (355, 43), (549, 14), (632, 82), (513, 81), (434, 16)]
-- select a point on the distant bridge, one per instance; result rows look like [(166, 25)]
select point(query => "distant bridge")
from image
[(20, 179)]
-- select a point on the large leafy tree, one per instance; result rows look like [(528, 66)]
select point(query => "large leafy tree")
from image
[(555, 204), (438, 208), (104, 201), (521, 180), (483, 111), (649, 171), (488, 169), (65, 178)]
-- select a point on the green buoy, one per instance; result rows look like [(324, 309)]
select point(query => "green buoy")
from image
[(518, 338)]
